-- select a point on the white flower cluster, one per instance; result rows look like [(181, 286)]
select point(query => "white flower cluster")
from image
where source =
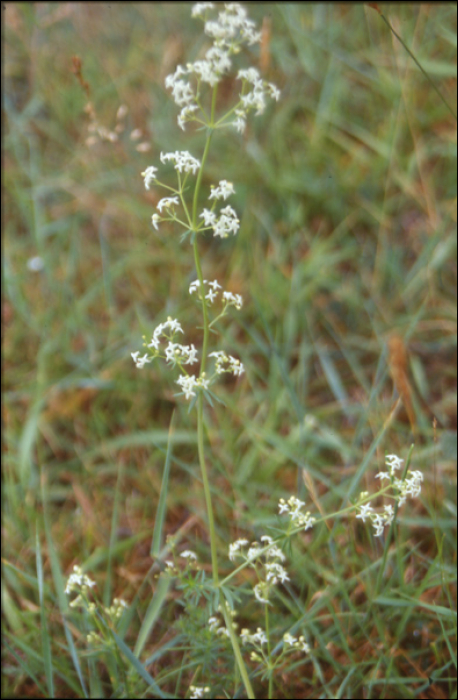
[(379, 520), (198, 691), (174, 353), (184, 162), (227, 222), (188, 382), (257, 638), (232, 28), (232, 364), (77, 580), (297, 643), (189, 554), (116, 609), (293, 507), (267, 555), (229, 298), (222, 225), (177, 354), (223, 191), (229, 31), (218, 627), (409, 487), (215, 626)]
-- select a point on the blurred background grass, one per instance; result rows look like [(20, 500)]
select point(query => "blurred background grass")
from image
[(346, 260)]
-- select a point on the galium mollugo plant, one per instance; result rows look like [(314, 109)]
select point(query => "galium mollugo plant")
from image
[(194, 88)]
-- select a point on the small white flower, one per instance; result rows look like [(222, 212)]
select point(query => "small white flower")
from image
[(303, 646), (78, 580), (254, 551), (140, 362), (182, 92), (173, 324), (240, 123), (283, 507), (389, 514), (379, 523), (227, 223), (195, 285), (198, 691), (235, 547), (366, 512), (410, 487), (189, 382), (236, 367), (211, 295), (155, 220), (223, 191), (186, 115), (183, 354), (274, 91), (233, 299), (183, 160), (394, 462), (259, 636), (149, 175), (167, 202), (260, 592), (249, 74), (383, 475), (275, 572), (209, 217), (189, 554)]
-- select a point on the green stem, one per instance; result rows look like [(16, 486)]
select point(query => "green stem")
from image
[(200, 414), (208, 500), (200, 406), (269, 653), (237, 652)]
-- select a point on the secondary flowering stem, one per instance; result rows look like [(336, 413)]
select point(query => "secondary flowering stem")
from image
[(237, 652)]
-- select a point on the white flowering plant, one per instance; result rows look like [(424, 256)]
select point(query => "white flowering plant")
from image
[(194, 88)]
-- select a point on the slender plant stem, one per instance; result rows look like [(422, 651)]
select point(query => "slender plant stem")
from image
[(200, 414), (269, 653), (200, 406), (237, 652)]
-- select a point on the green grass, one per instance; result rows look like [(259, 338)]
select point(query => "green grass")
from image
[(346, 191)]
